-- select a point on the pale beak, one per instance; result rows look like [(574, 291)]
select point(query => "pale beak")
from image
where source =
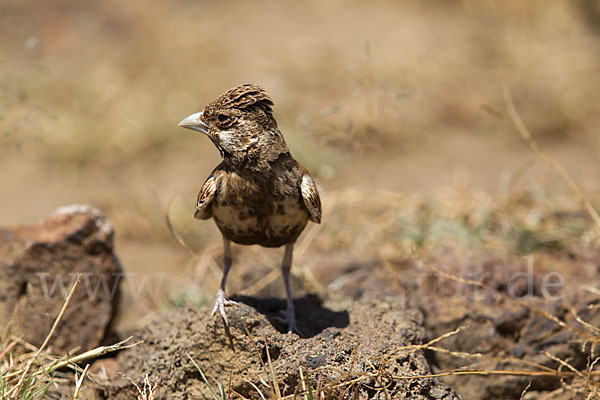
[(194, 122)]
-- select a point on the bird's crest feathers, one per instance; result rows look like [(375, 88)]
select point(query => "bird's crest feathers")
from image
[(243, 97)]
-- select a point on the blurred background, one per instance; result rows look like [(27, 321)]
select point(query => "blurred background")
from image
[(387, 101)]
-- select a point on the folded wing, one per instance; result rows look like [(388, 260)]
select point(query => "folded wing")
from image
[(205, 197), (311, 198)]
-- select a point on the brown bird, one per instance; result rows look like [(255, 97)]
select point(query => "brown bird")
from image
[(258, 194)]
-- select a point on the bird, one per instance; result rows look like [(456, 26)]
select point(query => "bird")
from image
[(259, 194)]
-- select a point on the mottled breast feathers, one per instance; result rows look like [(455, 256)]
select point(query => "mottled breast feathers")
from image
[(308, 189)]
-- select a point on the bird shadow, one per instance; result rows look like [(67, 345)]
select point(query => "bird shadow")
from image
[(311, 317)]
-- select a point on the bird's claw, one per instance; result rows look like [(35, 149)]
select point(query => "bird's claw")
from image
[(292, 328), (290, 320), (220, 304)]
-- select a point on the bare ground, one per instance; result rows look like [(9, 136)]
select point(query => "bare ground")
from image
[(395, 107)]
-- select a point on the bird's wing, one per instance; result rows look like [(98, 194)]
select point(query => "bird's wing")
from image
[(205, 197), (311, 198)]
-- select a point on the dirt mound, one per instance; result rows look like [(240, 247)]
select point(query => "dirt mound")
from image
[(512, 314), (353, 347)]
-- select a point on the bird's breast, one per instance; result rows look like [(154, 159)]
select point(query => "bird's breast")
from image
[(251, 216)]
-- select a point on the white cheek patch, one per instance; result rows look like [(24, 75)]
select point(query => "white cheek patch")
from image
[(227, 138), (231, 140)]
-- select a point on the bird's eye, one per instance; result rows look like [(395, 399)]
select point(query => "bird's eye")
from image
[(222, 118)]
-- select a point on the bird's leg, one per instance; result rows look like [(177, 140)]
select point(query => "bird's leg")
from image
[(286, 265), (222, 300)]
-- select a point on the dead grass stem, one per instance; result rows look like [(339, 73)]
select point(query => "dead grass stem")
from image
[(29, 375), (522, 130)]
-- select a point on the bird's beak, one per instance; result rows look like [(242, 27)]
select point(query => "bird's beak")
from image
[(194, 122)]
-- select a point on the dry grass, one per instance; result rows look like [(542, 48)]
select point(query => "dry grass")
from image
[(147, 391), (96, 87), (30, 375)]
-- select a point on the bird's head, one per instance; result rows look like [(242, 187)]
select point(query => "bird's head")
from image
[(240, 123)]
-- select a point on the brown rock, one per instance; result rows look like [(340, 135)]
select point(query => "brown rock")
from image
[(373, 337), (38, 265)]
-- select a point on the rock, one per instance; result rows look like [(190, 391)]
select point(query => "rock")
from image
[(373, 339), (38, 265)]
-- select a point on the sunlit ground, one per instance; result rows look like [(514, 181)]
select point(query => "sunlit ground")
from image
[(400, 96)]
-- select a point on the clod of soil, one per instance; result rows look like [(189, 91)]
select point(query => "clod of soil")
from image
[(356, 337), (38, 265)]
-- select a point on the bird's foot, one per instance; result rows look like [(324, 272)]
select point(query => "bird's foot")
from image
[(292, 328), (290, 318), (220, 304)]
